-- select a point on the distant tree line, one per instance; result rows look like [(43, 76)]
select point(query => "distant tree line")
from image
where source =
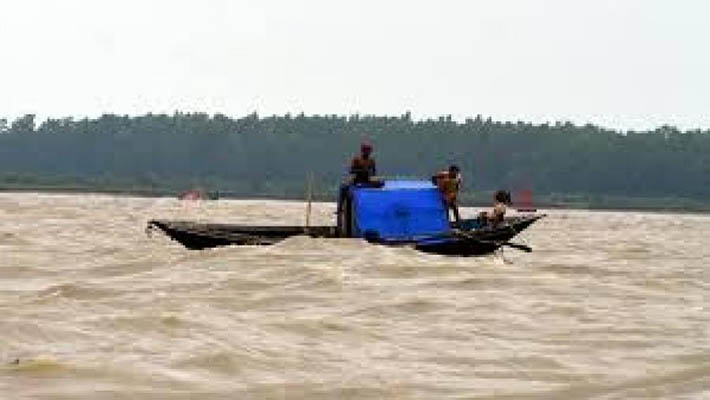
[(270, 156)]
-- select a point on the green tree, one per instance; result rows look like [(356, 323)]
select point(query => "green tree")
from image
[(24, 124)]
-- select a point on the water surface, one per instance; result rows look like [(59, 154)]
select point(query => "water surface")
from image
[(608, 306)]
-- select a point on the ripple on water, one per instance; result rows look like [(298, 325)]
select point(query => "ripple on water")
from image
[(76, 291)]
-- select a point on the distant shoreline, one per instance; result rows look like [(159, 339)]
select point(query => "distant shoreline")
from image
[(622, 203), (558, 165)]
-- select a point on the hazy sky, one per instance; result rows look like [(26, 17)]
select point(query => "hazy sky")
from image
[(621, 63)]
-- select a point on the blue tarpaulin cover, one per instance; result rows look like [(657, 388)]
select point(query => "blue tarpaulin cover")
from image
[(401, 210)]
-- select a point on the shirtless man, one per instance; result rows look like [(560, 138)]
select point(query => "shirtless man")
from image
[(449, 183)]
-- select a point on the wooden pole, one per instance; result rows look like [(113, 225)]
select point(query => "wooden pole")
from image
[(309, 194)]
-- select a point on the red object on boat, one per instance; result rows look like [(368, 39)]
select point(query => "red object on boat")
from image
[(524, 201), (191, 195)]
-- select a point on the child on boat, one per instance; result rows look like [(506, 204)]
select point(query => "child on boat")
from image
[(497, 215)]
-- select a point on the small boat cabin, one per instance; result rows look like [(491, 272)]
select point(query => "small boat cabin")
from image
[(399, 210)]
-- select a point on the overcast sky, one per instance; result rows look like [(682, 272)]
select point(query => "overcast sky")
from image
[(628, 64)]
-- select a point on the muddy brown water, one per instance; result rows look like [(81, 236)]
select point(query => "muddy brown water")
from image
[(610, 305)]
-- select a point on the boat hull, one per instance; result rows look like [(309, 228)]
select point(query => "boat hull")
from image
[(459, 242), (479, 241), (198, 236)]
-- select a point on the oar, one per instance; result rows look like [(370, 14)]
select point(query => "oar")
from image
[(517, 246)]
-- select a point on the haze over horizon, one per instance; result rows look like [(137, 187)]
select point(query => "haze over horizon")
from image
[(636, 64)]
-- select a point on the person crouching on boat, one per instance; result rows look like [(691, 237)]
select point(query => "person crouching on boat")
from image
[(362, 167), (497, 215), (449, 183), (362, 171)]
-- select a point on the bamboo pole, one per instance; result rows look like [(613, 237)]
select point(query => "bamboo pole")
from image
[(309, 194)]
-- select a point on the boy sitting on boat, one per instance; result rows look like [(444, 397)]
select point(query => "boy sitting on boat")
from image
[(497, 215)]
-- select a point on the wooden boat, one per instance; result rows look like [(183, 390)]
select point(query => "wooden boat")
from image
[(398, 213), (198, 236)]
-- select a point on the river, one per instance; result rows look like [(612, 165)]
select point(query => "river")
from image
[(609, 305)]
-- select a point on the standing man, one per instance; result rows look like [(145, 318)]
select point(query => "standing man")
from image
[(449, 183)]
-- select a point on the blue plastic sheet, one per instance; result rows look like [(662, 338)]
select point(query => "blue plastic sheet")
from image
[(401, 210)]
